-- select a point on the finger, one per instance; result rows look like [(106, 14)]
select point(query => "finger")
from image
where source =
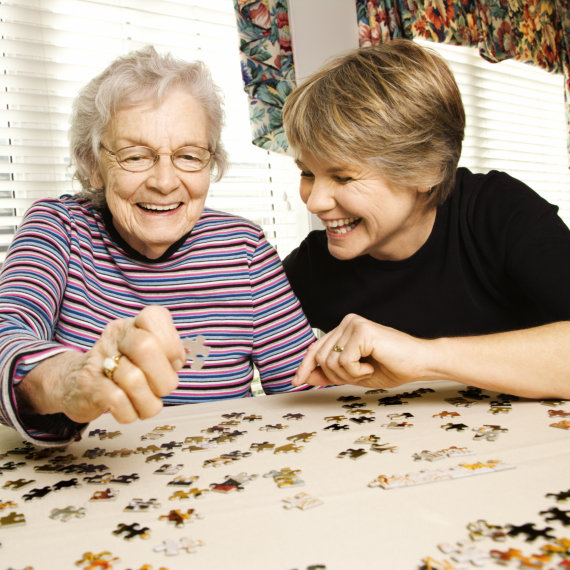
[(134, 385), (158, 321), (144, 351), (120, 406), (328, 358), (318, 378), (349, 363), (308, 364)]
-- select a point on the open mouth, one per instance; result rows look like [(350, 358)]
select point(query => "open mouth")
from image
[(156, 208), (342, 226)]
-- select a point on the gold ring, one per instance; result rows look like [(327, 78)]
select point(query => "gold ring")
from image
[(337, 348), (110, 364)]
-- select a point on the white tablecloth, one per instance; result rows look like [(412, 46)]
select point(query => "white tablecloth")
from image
[(355, 526)]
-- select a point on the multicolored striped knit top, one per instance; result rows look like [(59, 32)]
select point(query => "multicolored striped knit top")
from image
[(68, 273)]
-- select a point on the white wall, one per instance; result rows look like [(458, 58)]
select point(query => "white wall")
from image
[(313, 45), (336, 32)]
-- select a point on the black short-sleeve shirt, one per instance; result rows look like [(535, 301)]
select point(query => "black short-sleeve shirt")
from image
[(497, 259)]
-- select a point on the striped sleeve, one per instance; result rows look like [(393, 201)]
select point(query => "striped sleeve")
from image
[(31, 287), (281, 331)]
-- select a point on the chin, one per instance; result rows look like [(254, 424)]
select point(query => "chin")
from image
[(342, 254)]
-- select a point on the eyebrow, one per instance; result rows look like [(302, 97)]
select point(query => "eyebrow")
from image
[(332, 170)]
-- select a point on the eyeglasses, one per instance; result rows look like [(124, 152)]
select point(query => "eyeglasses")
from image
[(142, 158)]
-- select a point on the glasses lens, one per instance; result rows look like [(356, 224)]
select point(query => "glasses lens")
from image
[(191, 158), (135, 158)]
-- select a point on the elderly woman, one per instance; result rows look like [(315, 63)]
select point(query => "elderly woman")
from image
[(133, 293), (423, 271)]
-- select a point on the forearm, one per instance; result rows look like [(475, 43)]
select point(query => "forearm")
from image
[(40, 391), (533, 363)]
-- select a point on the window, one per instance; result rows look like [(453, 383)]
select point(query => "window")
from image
[(51, 48), (515, 121)]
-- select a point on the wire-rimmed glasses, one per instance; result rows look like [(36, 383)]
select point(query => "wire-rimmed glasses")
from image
[(142, 158)]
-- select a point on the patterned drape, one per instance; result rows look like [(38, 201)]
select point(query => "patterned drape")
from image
[(532, 31), (267, 67)]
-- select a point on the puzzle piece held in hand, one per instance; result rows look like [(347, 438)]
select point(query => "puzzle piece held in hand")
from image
[(196, 350)]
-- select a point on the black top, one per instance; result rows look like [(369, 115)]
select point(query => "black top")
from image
[(497, 259)]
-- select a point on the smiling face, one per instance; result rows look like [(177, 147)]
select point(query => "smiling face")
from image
[(362, 212), (153, 209)]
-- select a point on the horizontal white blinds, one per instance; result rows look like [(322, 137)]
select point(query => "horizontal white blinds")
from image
[(515, 121), (51, 48)]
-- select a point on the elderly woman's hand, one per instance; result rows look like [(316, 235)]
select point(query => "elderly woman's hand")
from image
[(150, 354), (364, 353)]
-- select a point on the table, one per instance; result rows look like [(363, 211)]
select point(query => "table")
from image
[(350, 521)]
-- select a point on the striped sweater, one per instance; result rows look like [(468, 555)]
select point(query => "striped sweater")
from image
[(68, 273)]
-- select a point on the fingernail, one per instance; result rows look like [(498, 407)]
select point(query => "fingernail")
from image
[(178, 365)]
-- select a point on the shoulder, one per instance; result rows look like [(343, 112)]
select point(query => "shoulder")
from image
[(216, 220), (229, 236), (311, 250), (497, 202), (66, 215), (65, 207), (496, 189), (498, 213)]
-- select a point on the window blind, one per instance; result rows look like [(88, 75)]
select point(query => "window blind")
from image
[(515, 121), (51, 48)]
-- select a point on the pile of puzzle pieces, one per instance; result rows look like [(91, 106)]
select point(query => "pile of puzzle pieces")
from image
[(93, 478), (488, 544)]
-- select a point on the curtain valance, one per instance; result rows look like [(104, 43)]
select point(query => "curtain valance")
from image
[(531, 31)]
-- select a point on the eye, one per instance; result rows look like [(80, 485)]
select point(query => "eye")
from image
[(134, 155), (191, 158), (187, 156), (133, 158), (343, 179), (305, 174)]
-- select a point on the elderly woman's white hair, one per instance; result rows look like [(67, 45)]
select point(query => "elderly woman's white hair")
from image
[(140, 76)]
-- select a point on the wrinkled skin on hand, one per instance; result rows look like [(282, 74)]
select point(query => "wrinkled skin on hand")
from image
[(151, 356)]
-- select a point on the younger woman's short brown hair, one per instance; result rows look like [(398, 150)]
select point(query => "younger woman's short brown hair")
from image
[(395, 106)]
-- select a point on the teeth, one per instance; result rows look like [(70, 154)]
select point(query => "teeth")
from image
[(156, 208), (341, 224)]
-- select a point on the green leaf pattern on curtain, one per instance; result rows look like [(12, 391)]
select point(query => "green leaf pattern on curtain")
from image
[(531, 31), (267, 67)]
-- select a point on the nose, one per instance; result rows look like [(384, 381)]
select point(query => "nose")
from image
[(318, 196), (164, 175)]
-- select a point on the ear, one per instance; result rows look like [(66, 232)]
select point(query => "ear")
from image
[(424, 189)]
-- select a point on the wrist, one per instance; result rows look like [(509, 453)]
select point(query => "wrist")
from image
[(43, 389), (438, 359)]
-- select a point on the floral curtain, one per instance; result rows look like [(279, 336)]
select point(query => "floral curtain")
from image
[(267, 67), (532, 31)]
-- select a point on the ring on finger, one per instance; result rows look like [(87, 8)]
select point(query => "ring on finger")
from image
[(337, 348), (110, 364)]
